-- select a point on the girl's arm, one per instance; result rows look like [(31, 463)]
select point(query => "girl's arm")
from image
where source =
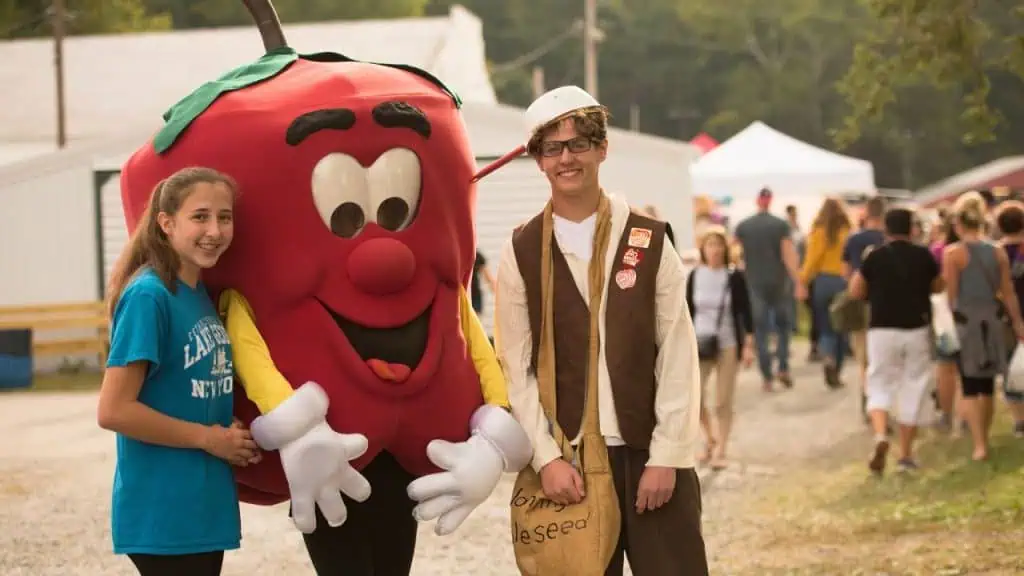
[(951, 264), (120, 411), (816, 246)]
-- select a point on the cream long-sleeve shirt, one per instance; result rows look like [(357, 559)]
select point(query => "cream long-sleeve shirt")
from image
[(677, 400)]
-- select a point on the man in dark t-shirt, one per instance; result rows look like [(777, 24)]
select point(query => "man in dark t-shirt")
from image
[(898, 279), (771, 268)]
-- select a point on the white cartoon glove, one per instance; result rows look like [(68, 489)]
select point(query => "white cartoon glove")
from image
[(315, 458), (472, 469)]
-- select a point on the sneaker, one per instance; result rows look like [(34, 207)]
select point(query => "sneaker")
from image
[(832, 377), (877, 462), (785, 379), (906, 465)]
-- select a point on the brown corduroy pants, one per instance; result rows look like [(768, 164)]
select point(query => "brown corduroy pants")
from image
[(667, 541)]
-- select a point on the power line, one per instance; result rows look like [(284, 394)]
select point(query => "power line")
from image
[(538, 52)]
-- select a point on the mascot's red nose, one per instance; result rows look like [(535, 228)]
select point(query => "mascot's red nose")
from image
[(381, 266)]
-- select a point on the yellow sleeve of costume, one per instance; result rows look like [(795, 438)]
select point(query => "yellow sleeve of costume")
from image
[(263, 384), (492, 379)]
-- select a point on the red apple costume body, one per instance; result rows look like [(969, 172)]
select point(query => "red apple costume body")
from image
[(354, 240)]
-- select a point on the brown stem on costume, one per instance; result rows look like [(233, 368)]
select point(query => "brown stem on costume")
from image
[(267, 22)]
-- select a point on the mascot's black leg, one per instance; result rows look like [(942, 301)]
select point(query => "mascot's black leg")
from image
[(379, 537)]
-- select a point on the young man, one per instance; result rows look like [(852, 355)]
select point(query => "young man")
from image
[(647, 369), (857, 246), (772, 269), (898, 280)]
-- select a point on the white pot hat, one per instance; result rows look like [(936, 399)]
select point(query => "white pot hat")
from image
[(549, 107)]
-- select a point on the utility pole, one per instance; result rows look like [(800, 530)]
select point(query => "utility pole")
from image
[(59, 21), (538, 81), (590, 40)]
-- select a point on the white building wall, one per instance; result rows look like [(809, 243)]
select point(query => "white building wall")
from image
[(48, 235)]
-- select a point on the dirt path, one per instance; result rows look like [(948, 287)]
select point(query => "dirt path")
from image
[(56, 468)]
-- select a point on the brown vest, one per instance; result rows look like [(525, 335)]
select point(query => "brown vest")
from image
[(630, 323)]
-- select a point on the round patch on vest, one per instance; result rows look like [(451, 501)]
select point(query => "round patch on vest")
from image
[(626, 278), (632, 257)]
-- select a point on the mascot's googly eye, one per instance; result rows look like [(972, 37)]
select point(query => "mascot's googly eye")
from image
[(394, 185), (341, 194)]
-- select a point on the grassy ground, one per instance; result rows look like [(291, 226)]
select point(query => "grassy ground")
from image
[(950, 518)]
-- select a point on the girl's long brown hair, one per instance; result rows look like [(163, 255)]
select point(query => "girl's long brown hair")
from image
[(832, 218), (149, 245)]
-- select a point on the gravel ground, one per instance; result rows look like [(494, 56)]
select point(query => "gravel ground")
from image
[(56, 468)]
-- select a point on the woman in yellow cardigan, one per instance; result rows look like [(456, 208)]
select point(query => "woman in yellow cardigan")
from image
[(824, 265)]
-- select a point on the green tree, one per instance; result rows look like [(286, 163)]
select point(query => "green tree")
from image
[(28, 18), (952, 46)]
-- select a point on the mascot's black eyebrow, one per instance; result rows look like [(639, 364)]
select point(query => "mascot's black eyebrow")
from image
[(394, 114), (311, 122)]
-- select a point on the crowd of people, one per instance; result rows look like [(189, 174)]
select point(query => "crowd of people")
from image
[(595, 393), (928, 309)]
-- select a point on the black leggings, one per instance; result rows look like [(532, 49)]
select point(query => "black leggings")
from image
[(203, 564), (379, 536), (977, 386)]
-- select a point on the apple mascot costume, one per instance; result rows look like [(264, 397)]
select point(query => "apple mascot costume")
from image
[(367, 376)]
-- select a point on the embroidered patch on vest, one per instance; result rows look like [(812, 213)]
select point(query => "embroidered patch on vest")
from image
[(640, 237), (632, 257), (626, 278)]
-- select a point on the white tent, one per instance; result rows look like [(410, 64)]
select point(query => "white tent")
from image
[(761, 156)]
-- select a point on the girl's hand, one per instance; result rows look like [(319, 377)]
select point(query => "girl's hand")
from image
[(236, 423), (234, 444)]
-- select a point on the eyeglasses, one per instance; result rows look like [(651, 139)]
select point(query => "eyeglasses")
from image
[(577, 145)]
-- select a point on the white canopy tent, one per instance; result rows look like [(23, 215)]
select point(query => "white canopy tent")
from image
[(798, 173)]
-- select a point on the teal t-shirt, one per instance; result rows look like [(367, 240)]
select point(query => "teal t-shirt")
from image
[(166, 500)]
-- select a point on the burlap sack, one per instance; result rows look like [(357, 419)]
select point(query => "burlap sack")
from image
[(551, 539)]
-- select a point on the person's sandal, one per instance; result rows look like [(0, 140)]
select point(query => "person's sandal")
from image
[(719, 463), (709, 449)]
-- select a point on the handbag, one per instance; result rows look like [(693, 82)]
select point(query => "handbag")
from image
[(847, 314), (1013, 381), (708, 346), (947, 341)]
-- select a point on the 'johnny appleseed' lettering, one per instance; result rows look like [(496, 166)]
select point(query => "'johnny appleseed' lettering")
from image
[(544, 531)]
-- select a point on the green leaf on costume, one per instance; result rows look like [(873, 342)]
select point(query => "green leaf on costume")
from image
[(181, 115)]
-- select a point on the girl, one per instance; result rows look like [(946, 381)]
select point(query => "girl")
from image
[(823, 266), (978, 280), (167, 390), (717, 296)]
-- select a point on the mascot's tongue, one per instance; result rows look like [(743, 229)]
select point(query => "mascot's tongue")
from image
[(388, 371)]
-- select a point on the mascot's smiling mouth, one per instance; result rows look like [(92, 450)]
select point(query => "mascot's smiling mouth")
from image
[(391, 353)]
